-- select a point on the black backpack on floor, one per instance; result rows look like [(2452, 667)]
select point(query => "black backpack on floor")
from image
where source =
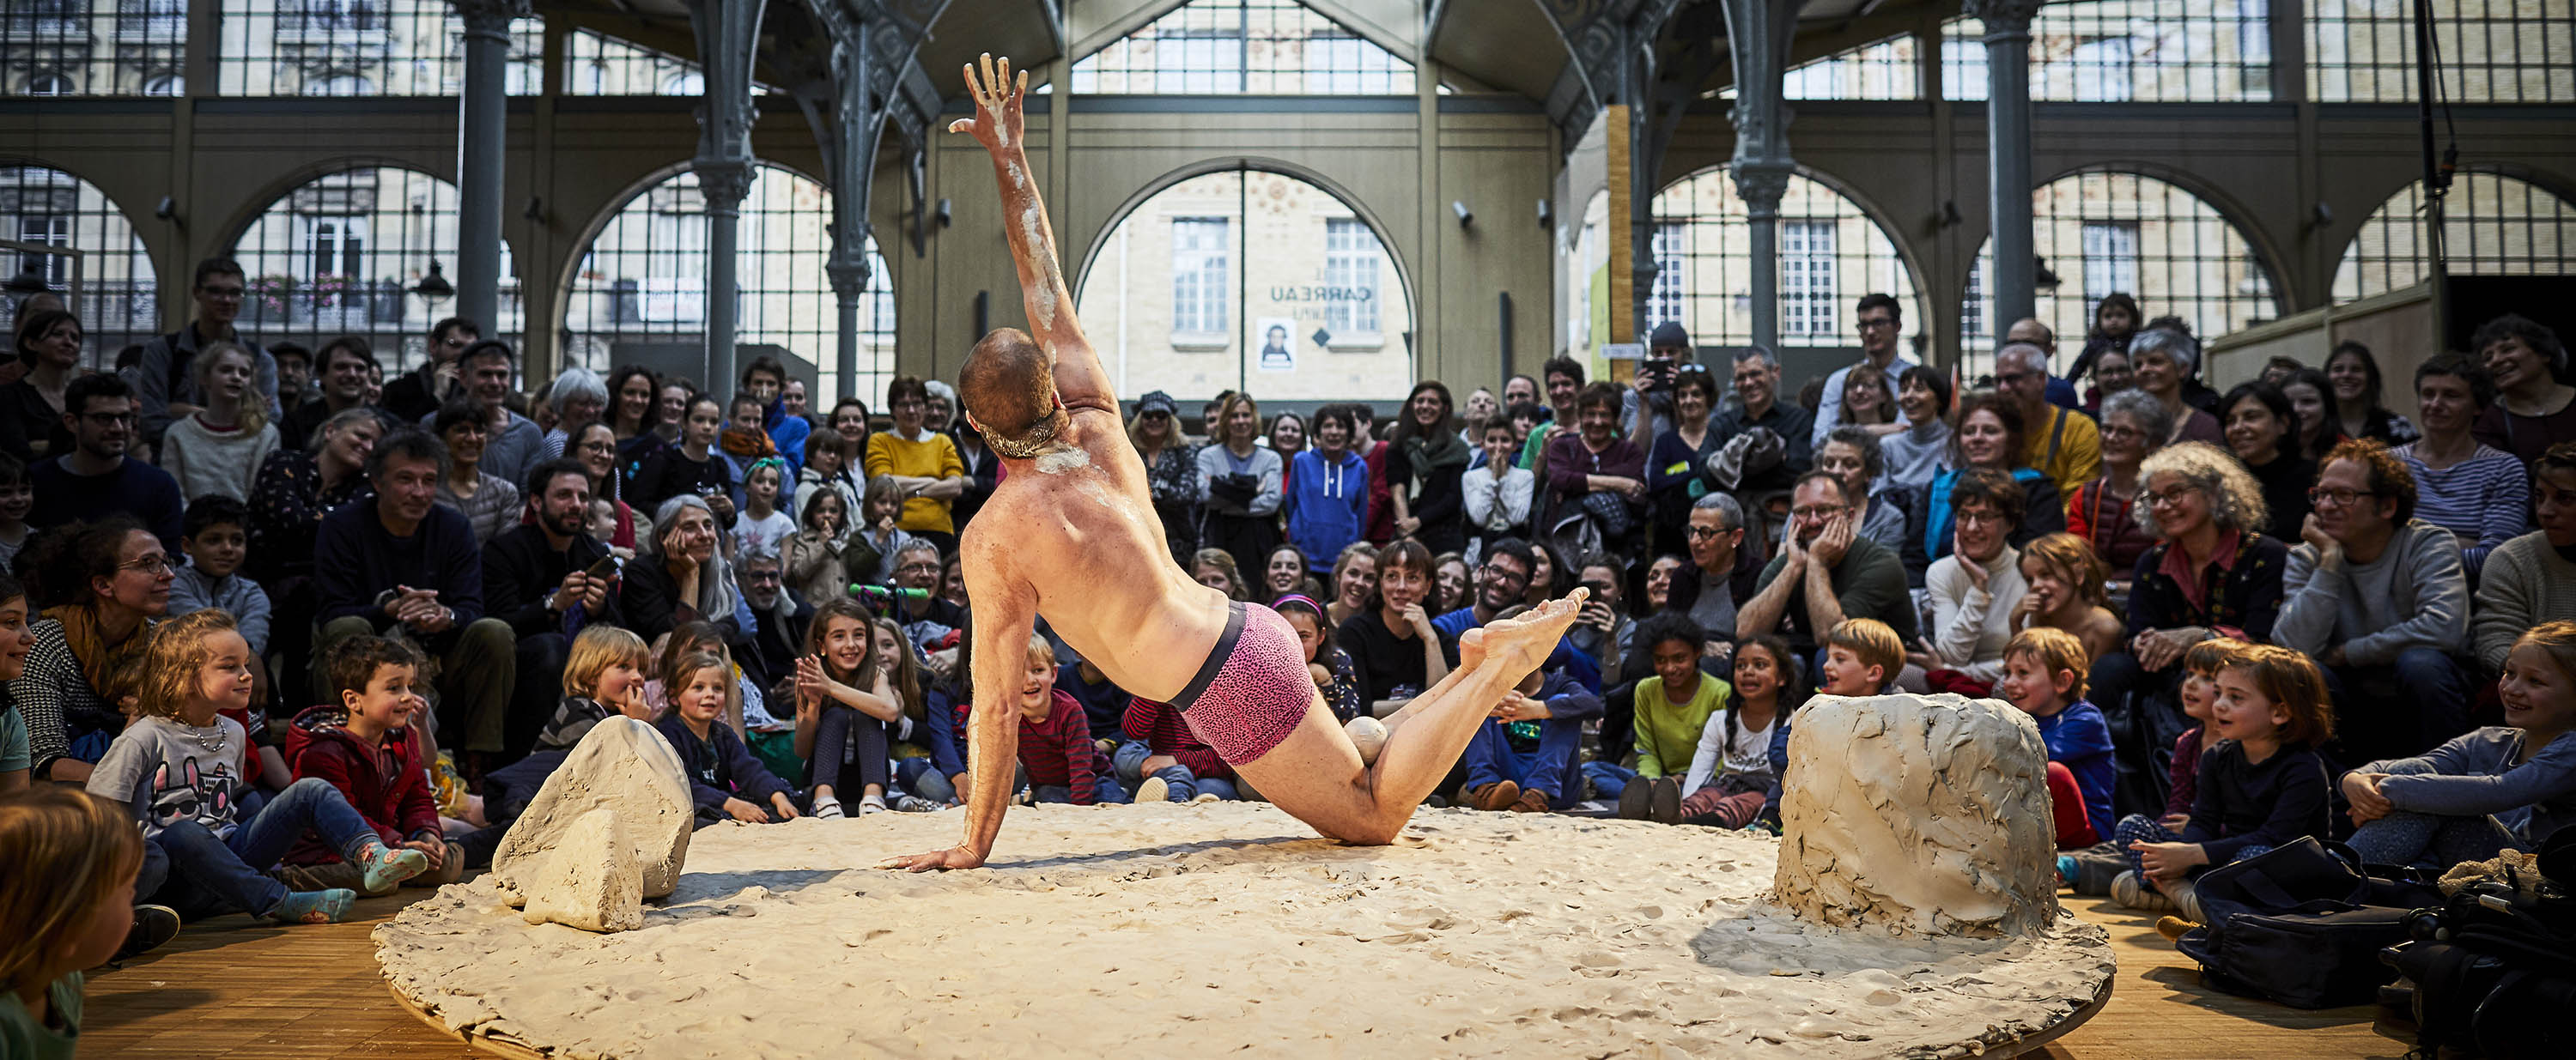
[(2300, 924), (2494, 969)]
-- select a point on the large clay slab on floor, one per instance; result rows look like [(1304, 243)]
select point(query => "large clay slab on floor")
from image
[(1210, 929)]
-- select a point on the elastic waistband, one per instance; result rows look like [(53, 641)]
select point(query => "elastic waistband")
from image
[(1216, 658)]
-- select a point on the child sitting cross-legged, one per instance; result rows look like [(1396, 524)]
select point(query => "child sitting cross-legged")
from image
[(2509, 785), (725, 779), (66, 902), (1523, 756), (2262, 785), (844, 701), (179, 769), (364, 747), (1055, 739), (1673, 708), (1165, 760), (2044, 671), (1731, 775)]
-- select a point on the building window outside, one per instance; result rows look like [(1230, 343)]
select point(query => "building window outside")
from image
[(1259, 47), (2110, 258), (1351, 255), (2492, 225), (1807, 302), (1199, 275), (1664, 299), (112, 288)]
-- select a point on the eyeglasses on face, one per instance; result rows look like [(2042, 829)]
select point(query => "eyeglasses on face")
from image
[(1703, 533), (2173, 495), (2342, 498)]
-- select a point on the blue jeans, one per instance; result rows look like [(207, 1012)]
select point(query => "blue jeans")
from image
[(1608, 779), (1490, 756), (1185, 785), (2401, 709), (1105, 791), (916, 775), (2140, 828), (211, 874)]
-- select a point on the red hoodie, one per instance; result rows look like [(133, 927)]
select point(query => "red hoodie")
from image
[(387, 785)]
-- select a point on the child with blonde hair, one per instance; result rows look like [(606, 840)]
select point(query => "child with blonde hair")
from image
[(65, 905), (2262, 786), (2509, 785), (603, 677), (179, 768), (2044, 670), (725, 779)]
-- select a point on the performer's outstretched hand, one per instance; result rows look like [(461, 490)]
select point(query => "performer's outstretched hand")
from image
[(951, 858), (998, 122)]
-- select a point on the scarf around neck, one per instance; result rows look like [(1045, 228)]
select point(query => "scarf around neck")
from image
[(105, 666)]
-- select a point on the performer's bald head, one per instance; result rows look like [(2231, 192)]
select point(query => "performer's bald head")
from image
[(1008, 386)]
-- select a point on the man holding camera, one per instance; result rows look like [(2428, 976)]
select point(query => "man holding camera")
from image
[(1667, 350), (548, 579)]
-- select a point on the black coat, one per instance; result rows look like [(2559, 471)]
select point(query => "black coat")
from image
[(521, 570)]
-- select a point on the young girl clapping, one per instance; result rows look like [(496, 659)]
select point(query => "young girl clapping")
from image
[(843, 705)]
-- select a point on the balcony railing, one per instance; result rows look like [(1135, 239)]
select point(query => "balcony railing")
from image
[(325, 21), (326, 304), (152, 21)]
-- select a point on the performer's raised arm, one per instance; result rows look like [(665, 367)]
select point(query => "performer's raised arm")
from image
[(1005, 616), (998, 124)]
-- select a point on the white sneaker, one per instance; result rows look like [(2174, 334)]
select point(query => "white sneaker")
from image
[(1207, 796), (872, 804), (1154, 789), (2131, 890), (828, 810), (915, 804)]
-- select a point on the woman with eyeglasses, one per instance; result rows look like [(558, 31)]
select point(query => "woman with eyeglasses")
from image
[(2211, 573), (922, 461), (1990, 437), (101, 585), (595, 445), (1171, 470), (2263, 432), (2133, 422)]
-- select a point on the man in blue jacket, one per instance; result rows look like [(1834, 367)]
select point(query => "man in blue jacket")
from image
[(398, 560), (1328, 487)]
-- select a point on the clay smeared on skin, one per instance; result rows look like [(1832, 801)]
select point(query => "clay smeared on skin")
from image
[(1059, 461)]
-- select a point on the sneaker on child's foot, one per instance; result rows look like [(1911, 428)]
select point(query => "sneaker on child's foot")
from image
[(386, 867), (915, 804), (1494, 796), (1154, 789), (2066, 870), (154, 926), (2186, 900), (828, 809), (871, 804), (1207, 796), (1532, 800), (314, 907), (2132, 890)]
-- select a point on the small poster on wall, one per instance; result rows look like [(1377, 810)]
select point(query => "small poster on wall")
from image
[(1278, 349)]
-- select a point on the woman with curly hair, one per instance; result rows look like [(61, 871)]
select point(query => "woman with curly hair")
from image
[(2211, 573)]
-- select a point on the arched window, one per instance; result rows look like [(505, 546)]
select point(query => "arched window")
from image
[(111, 284), (340, 254), (1243, 47), (164, 85), (2119, 51), (2491, 51), (2492, 225), (2100, 232), (640, 294), (358, 47), (1248, 280), (1831, 253), (50, 84), (1880, 69)]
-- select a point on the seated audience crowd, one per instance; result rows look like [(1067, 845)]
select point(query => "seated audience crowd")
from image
[(320, 639)]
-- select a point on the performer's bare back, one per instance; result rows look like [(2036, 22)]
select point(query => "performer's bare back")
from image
[(1071, 532)]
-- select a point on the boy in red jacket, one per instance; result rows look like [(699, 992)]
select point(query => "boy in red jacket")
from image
[(364, 746)]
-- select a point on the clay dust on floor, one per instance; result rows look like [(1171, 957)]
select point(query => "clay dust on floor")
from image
[(1217, 928)]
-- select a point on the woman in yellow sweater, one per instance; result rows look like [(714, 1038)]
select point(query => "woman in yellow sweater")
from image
[(923, 463)]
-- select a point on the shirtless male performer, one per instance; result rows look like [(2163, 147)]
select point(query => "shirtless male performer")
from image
[(1071, 531)]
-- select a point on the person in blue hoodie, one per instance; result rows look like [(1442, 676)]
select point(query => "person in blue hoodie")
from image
[(765, 381), (1522, 758), (1328, 491)]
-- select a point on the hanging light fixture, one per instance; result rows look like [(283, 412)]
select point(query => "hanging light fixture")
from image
[(434, 286)]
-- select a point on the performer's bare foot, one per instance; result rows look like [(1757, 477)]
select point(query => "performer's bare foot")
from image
[(1520, 643)]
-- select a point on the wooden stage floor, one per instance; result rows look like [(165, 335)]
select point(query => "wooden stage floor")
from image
[(231, 988)]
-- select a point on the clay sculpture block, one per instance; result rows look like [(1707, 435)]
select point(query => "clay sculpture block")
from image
[(1918, 815), (609, 829)]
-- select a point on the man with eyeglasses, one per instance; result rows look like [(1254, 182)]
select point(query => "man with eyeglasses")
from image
[(1826, 572), (2061, 392), (778, 619), (165, 390), (2057, 442), (96, 478), (1757, 404), (1881, 322), (2381, 600), (1504, 581)]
